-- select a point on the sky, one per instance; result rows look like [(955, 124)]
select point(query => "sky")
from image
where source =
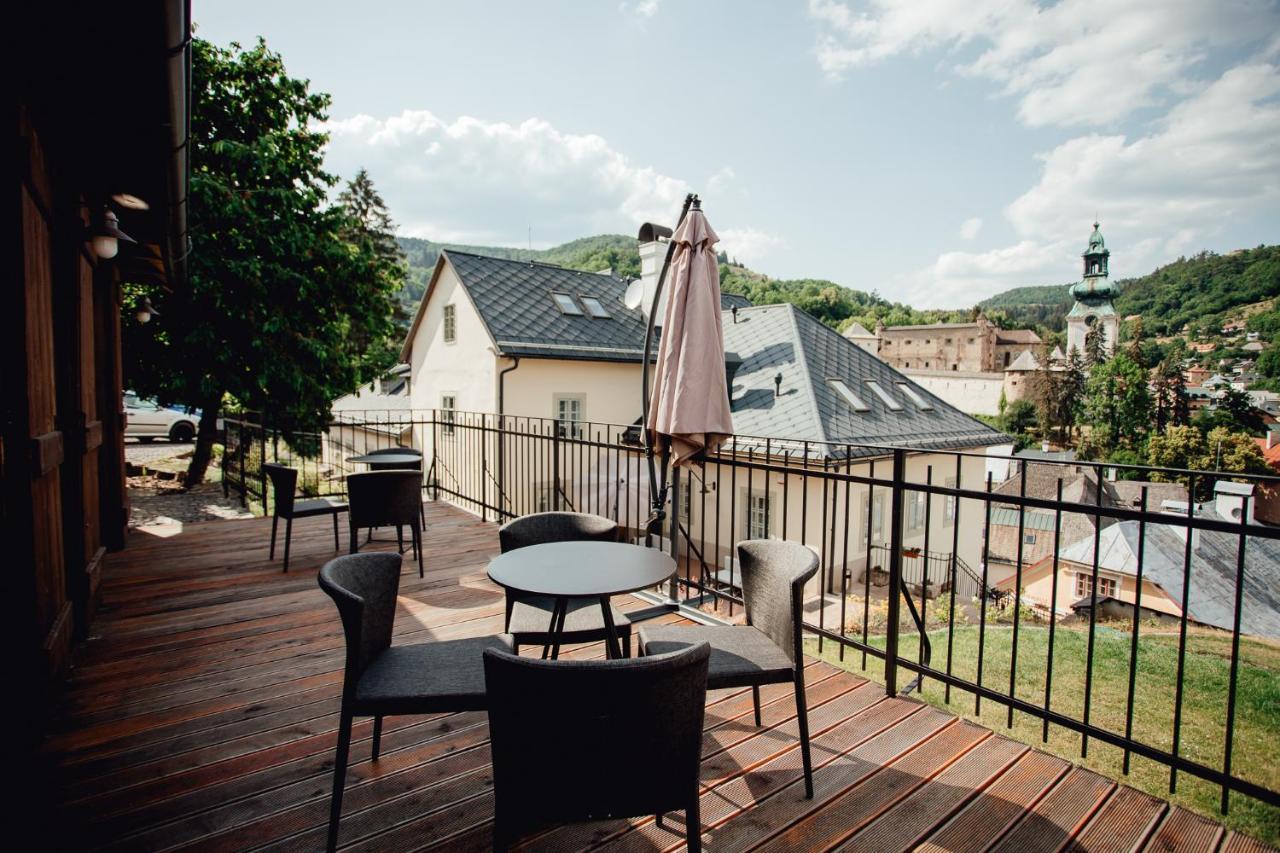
[(934, 151)]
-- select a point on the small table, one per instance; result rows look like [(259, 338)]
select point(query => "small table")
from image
[(387, 459), (564, 570)]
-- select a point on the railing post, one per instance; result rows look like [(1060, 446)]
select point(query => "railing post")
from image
[(244, 486), (895, 571), (262, 465), (484, 467), (673, 530), (555, 466), (226, 487), (435, 444)]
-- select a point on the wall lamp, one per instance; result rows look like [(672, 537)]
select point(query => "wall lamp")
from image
[(145, 310), (105, 235)]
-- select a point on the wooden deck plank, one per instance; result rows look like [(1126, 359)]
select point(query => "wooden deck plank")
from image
[(202, 716)]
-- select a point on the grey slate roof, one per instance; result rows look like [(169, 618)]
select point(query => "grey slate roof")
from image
[(515, 303), (775, 339), (1213, 571)]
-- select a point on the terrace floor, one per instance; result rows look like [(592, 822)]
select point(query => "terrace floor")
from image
[(202, 715)]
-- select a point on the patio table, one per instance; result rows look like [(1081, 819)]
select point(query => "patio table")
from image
[(565, 570), (387, 459)]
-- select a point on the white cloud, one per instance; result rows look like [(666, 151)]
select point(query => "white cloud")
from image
[(1075, 62), (1212, 160), (480, 181), (641, 8), (749, 245), (970, 227)]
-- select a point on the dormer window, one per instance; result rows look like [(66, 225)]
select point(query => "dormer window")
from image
[(566, 304), (914, 396), (893, 404), (595, 307), (855, 402)]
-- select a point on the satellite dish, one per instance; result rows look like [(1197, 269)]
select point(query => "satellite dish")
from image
[(634, 295)]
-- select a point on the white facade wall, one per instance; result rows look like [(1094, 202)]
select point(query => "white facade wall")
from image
[(972, 393)]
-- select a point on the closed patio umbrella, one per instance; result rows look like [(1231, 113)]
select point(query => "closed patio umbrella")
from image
[(689, 410)]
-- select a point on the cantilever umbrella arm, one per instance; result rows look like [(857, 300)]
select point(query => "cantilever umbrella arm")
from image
[(658, 491)]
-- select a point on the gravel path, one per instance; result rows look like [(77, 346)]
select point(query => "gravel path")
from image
[(159, 502)]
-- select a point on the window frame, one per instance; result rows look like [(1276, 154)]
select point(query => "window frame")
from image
[(449, 412), (587, 302), (571, 309), (449, 323), (558, 400)]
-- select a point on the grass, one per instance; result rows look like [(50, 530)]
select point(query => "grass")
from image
[(1204, 709)]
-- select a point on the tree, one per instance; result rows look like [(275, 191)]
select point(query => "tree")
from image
[(1117, 405), (1095, 346), (370, 227), (1234, 410), (282, 311), (1187, 448), (1019, 418), (1169, 394), (1135, 349)]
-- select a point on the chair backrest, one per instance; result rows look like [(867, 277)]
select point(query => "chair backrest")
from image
[(364, 587), (384, 498), (552, 756), (284, 481), (773, 577), (543, 527)]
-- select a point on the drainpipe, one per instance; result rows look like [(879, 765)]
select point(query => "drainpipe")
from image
[(502, 444)]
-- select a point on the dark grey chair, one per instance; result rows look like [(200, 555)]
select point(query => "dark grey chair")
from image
[(284, 482), (389, 466), (381, 679), (529, 616), (553, 726), (386, 499), (767, 649)]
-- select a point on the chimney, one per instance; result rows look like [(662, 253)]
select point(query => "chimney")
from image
[(1044, 446), (1273, 436), (1229, 496), (653, 252)]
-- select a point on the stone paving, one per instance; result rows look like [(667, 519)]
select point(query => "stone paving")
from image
[(156, 501)]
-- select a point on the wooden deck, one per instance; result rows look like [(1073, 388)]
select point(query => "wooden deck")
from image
[(201, 715)]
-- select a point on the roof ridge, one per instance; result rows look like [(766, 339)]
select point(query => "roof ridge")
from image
[(802, 361)]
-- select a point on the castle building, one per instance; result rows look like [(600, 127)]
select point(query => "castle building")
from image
[(1093, 297), (979, 346)]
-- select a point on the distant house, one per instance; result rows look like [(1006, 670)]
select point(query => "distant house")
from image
[(376, 415), (1213, 571), (859, 335)]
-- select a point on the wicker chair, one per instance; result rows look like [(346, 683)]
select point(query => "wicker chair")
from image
[(529, 616), (411, 466), (284, 482), (381, 679), (551, 753), (767, 649), (387, 499)]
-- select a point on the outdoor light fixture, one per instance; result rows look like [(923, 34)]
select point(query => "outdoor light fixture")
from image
[(132, 202), (145, 310), (777, 384), (106, 235)]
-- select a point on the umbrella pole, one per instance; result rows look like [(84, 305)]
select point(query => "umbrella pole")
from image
[(658, 490)]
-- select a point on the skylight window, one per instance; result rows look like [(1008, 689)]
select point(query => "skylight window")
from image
[(893, 404), (566, 304), (595, 307), (855, 402), (914, 396)]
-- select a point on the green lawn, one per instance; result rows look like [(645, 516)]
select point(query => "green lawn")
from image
[(1257, 721)]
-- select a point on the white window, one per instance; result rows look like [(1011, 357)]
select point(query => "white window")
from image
[(566, 304), (568, 414), (448, 410), (914, 396), (949, 506), (877, 518), (594, 307), (450, 324), (1029, 538), (893, 404), (855, 402), (1084, 585), (915, 502), (758, 516)]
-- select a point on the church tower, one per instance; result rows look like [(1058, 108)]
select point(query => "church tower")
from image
[(1093, 297)]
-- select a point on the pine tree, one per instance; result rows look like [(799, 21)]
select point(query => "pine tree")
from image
[(1134, 349), (369, 226), (1095, 347), (1170, 395)]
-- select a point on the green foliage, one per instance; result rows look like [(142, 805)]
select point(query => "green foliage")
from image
[(289, 300), (1218, 450), (1116, 404), (1020, 417)]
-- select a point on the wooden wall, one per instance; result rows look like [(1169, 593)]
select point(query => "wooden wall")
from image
[(61, 455)]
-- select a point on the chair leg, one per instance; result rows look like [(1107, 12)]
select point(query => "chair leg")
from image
[(339, 778), (355, 539), (275, 522), (802, 717), (417, 549), (337, 546), (693, 826), (288, 535), (400, 539), (626, 645), (755, 700), (377, 736)]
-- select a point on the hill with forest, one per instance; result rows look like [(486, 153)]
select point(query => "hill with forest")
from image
[(1201, 291)]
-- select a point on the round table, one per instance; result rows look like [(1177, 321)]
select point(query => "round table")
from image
[(564, 570), (387, 459)]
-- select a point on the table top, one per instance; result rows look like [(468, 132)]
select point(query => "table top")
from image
[(388, 459), (586, 569)]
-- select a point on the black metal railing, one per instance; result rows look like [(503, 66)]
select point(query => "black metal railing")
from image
[(949, 532)]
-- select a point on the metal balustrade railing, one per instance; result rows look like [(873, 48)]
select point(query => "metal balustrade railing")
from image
[(891, 525)]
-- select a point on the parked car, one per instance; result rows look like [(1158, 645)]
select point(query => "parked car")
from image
[(146, 421)]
